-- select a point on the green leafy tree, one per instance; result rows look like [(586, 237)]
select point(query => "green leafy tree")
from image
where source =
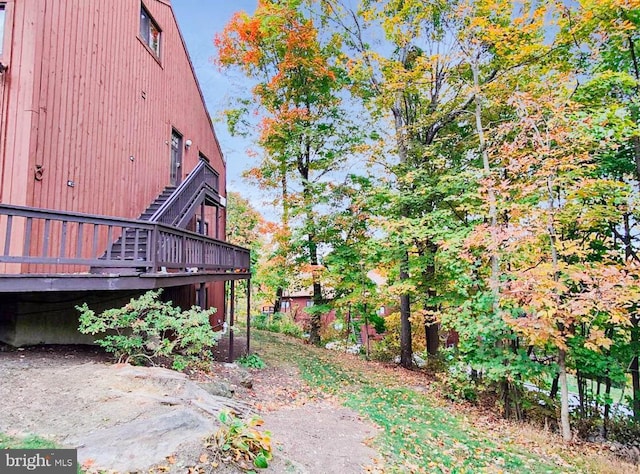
[(304, 132), (606, 44)]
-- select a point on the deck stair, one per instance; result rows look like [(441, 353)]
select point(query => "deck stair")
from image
[(134, 239), (174, 206), (155, 205)]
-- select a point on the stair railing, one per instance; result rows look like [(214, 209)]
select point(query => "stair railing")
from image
[(181, 202)]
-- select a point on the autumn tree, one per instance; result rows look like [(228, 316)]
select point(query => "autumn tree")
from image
[(411, 83), (244, 223), (245, 227), (303, 132), (606, 44)]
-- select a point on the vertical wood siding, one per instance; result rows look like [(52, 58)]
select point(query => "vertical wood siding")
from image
[(83, 94), (86, 101)]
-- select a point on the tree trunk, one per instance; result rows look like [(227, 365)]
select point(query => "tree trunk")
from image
[(406, 350), (486, 167), (312, 244), (432, 334), (506, 398), (581, 393), (278, 302), (431, 326), (564, 396), (554, 387), (635, 376), (314, 320), (607, 408)]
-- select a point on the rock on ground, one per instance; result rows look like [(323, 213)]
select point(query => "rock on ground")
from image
[(123, 418), (120, 417)]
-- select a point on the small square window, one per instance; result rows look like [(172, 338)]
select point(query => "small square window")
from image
[(199, 229), (149, 31)]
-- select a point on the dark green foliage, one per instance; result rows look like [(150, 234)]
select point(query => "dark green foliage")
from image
[(277, 322), (251, 361), (147, 329)]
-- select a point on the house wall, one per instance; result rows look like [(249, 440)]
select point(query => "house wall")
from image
[(84, 95), (185, 297), (85, 102), (51, 318), (298, 311)]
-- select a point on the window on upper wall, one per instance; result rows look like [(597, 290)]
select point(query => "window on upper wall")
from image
[(149, 31), (3, 8)]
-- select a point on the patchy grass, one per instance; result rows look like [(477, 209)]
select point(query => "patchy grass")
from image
[(30, 442), (419, 431)]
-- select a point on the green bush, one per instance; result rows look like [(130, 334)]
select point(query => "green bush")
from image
[(385, 350), (147, 330), (459, 385), (239, 442), (259, 321), (377, 322), (277, 322), (252, 361)]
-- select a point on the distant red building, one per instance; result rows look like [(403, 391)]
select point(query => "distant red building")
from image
[(296, 304)]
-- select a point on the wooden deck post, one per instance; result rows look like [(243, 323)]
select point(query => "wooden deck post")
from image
[(248, 315), (217, 217), (201, 296), (232, 309), (203, 226)]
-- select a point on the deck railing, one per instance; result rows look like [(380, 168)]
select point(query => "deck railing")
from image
[(40, 236)]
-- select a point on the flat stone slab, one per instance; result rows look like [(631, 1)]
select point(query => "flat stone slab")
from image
[(123, 418), (139, 444)]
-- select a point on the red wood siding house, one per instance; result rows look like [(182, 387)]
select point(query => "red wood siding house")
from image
[(295, 304), (100, 111)]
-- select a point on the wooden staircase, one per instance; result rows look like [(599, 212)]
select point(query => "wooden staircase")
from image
[(174, 206), (155, 205), (133, 239)]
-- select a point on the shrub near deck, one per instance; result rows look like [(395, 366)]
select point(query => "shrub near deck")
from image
[(147, 329)]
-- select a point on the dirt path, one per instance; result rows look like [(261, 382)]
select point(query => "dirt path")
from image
[(124, 418)]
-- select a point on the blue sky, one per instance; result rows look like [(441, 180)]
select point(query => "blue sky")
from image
[(199, 21)]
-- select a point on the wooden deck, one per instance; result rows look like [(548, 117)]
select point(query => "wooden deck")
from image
[(46, 250), (35, 282)]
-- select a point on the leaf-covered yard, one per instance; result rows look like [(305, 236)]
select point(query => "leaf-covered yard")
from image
[(327, 411), (419, 430)]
